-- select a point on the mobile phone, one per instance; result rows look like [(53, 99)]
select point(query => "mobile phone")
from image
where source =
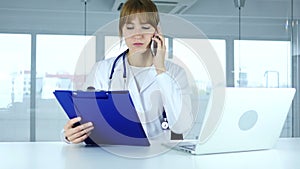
[(153, 47)]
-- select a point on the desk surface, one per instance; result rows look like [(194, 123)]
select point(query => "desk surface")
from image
[(58, 155)]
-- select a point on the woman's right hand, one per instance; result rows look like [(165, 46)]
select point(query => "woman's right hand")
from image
[(79, 133)]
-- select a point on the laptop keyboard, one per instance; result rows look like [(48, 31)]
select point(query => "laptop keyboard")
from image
[(189, 147)]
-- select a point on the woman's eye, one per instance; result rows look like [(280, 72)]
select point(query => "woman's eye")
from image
[(146, 27), (129, 26)]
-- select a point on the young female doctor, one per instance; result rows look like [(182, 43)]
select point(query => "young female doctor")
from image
[(155, 85)]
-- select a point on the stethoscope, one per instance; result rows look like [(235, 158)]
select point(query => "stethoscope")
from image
[(164, 123), (123, 56)]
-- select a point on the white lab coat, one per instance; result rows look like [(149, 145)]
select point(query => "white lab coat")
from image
[(169, 91)]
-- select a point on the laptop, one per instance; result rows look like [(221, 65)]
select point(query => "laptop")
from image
[(252, 119)]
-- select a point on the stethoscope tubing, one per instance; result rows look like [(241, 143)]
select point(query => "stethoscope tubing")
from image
[(123, 55), (165, 124)]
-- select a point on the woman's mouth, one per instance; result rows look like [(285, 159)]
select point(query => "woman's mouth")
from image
[(137, 44)]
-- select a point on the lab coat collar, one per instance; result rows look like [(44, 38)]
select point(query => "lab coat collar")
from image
[(117, 82), (149, 79), (132, 87), (131, 83)]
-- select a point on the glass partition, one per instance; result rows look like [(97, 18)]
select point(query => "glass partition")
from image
[(57, 57), (15, 52), (262, 47), (262, 63), (257, 42)]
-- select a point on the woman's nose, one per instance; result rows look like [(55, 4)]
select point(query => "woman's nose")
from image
[(137, 32), (137, 36)]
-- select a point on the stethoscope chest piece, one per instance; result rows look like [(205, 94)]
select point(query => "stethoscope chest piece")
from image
[(165, 124)]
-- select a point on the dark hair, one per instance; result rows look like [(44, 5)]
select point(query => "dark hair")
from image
[(145, 10)]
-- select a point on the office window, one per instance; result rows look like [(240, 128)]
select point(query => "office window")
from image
[(113, 47), (200, 79), (194, 64), (15, 52), (57, 57), (262, 63)]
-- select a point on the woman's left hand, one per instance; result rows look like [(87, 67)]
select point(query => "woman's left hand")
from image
[(159, 58)]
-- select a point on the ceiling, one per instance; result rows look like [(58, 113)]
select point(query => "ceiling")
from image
[(253, 8), (261, 18)]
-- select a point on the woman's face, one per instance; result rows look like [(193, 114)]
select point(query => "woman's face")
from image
[(138, 35)]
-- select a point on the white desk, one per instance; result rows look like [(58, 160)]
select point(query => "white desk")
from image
[(58, 155)]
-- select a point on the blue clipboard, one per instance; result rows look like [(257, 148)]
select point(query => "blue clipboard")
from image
[(112, 113)]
